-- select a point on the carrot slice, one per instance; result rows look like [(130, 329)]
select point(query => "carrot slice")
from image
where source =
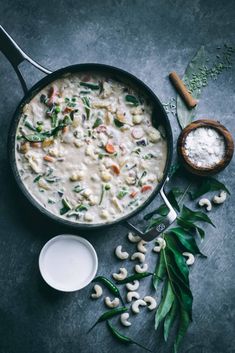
[(48, 158), (133, 194), (115, 169), (146, 188), (67, 110), (36, 144), (65, 129), (109, 147)]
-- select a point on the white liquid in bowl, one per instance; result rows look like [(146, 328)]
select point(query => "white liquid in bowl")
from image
[(68, 262)]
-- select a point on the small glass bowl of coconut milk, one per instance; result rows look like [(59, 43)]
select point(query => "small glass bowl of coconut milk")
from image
[(205, 147), (68, 262)]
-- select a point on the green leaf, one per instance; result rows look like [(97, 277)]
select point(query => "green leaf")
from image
[(181, 288), (118, 123), (86, 103), (190, 226), (169, 320), (163, 210), (29, 125), (131, 99), (91, 85), (41, 136), (208, 184), (160, 270), (165, 305), (153, 223), (174, 169), (178, 257), (184, 115), (172, 196), (97, 123), (194, 216), (184, 322), (186, 240)]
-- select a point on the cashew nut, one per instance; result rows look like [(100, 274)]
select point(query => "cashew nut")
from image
[(122, 255), (98, 292), (141, 246), (190, 257), (136, 304), (121, 275), (131, 295), (138, 255), (111, 303), (141, 268), (218, 199), (133, 286), (152, 302), (162, 244), (133, 238), (205, 202), (124, 319)]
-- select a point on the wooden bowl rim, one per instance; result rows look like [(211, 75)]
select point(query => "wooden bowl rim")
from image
[(229, 146)]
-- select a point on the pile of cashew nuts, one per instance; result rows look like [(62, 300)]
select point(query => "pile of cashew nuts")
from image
[(132, 296), (217, 199)]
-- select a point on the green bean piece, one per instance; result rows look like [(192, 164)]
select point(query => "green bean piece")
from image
[(134, 277), (91, 85), (124, 339), (108, 315), (109, 285)]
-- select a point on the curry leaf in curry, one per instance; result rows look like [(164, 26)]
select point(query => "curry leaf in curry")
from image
[(132, 100)]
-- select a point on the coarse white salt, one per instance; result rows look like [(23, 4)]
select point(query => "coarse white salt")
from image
[(204, 147)]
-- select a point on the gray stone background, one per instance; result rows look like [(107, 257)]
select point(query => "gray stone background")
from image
[(149, 39)]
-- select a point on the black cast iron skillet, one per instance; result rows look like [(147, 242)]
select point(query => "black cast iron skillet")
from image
[(15, 55)]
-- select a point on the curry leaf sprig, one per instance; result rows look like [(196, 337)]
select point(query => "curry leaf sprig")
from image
[(171, 268)]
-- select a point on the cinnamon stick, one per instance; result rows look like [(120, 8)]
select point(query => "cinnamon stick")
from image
[(182, 90)]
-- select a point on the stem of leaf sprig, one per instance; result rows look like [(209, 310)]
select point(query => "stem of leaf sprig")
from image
[(184, 193)]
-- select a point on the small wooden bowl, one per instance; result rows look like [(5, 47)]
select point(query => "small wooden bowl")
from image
[(229, 147)]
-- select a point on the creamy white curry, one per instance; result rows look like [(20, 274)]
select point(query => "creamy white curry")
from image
[(86, 149)]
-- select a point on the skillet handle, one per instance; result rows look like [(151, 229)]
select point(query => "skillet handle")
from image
[(16, 56), (166, 222)]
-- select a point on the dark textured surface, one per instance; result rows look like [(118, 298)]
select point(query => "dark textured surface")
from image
[(148, 38)]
